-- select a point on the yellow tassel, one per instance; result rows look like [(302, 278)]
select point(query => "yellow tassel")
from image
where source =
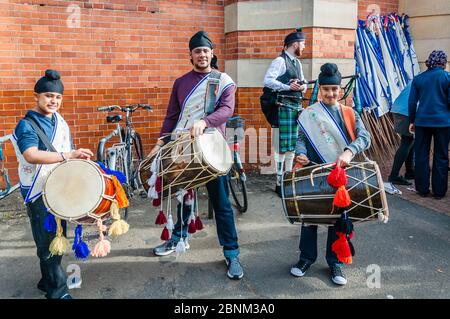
[(119, 226), (59, 245), (121, 197)]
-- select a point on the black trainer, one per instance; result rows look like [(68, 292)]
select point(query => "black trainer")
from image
[(42, 287), (300, 268), (337, 275), (410, 175), (399, 180), (278, 190), (167, 248)]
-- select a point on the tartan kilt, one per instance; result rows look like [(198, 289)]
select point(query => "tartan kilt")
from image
[(288, 129)]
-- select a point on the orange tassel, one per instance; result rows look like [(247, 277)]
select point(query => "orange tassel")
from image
[(121, 197), (341, 248), (342, 197)]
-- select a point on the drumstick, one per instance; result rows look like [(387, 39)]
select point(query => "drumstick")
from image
[(319, 168)]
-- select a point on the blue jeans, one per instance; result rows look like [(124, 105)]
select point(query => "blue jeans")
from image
[(53, 276), (308, 245), (224, 215)]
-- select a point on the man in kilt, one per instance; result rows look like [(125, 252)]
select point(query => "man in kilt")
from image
[(285, 80)]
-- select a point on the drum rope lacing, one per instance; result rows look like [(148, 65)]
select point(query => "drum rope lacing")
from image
[(379, 212)]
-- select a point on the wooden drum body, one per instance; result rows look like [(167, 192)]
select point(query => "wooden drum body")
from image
[(308, 198), (187, 163)]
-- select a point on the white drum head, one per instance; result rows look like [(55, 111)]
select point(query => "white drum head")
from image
[(215, 150), (74, 189)]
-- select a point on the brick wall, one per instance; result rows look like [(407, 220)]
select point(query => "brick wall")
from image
[(129, 51), (122, 52)]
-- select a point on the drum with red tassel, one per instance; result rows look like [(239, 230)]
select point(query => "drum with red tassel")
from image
[(311, 196)]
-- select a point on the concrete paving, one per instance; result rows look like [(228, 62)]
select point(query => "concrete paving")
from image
[(411, 254)]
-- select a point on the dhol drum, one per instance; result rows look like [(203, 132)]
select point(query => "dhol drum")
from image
[(308, 198), (79, 191), (187, 162)]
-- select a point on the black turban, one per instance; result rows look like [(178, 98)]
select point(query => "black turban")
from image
[(294, 37), (200, 39), (329, 74), (49, 83)]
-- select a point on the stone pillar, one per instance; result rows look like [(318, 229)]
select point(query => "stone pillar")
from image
[(428, 26)]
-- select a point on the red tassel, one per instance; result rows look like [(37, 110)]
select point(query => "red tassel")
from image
[(192, 228), (342, 198), (165, 234), (156, 202), (161, 218), (342, 249), (337, 177), (158, 184), (198, 223)]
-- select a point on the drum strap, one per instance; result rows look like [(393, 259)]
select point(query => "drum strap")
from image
[(349, 120), (211, 91), (41, 134)]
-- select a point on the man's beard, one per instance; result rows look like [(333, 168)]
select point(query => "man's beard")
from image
[(199, 67), (298, 52)]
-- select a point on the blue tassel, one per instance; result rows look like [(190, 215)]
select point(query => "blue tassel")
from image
[(50, 223), (120, 176), (82, 250), (79, 246)]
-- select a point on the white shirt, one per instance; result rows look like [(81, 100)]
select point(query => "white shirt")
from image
[(277, 68)]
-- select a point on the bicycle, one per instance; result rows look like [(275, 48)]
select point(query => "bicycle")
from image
[(236, 177), (5, 184), (126, 155)]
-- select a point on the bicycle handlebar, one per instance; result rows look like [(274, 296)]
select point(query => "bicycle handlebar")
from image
[(129, 108)]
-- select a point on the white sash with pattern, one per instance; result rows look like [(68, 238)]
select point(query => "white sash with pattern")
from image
[(192, 109), (322, 131), (34, 175)]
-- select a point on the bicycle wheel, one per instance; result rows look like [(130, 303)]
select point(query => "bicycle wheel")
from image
[(101, 155), (120, 166), (137, 156), (238, 189)]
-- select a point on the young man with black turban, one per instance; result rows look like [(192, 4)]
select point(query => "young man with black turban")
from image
[(329, 132), (186, 111), (429, 118), (284, 82), (35, 163)]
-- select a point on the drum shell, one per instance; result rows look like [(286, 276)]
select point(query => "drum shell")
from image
[(186, 171), (318, 199), (101, 210)]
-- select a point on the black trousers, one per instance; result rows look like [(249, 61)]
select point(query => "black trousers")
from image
[(54, 278), (308, 245), (404, 154), (439, 174)]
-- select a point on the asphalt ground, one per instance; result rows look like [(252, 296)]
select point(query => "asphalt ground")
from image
[(409, 257)]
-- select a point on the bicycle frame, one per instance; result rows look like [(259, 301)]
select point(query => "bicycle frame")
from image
[(237, 158), (122, 151), (9, 189), (118, 150)]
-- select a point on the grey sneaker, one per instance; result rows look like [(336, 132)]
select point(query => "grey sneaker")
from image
[(300, 268), (167, 248), (235, 270), (337, 275)]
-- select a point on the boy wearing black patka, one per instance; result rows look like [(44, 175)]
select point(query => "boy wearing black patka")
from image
[(35, 163)]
